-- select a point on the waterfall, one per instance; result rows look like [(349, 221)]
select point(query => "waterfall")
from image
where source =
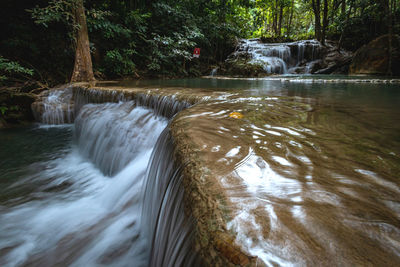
[(213, 72), (162, 105), (169, 230), (107, 143), (63, 105), (116, 195), (300, 53), (55, 107), (83, 96), (277, 58), (273, 57)]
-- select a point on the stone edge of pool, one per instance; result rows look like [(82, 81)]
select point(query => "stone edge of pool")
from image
[(204, 198)]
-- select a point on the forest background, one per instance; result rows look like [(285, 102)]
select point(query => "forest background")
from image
[(132, 39)]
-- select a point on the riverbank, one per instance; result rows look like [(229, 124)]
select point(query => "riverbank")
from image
[(16, 101), (317, 78)]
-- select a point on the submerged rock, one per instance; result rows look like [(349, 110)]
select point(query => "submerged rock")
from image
[(373, 58)]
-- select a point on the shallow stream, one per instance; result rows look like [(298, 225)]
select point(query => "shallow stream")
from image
[(311, 174)]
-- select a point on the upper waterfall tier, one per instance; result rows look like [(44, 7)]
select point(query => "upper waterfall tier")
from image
[(62, 105), (277, 57), (104, 133), (55, 106), (306, 56)]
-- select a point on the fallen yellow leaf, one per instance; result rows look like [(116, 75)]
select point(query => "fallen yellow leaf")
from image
[(236, 115)]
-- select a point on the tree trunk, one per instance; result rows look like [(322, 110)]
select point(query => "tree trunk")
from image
[(325, 22), (387, 6), (343, 12), (290, 18), (316, 5), (83, 71), (280, 20), (275, 18), (390, 31), (335, 4), (345, 27)]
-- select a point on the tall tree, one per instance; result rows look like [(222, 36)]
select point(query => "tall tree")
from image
[(343, 7), (280, 18), (72, 13), (316, 6), (389, 8), (289, 22), (345, 14), (83, 71), (324, 22)]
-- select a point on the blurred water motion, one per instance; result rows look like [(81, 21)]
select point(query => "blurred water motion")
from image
[(310, 174)]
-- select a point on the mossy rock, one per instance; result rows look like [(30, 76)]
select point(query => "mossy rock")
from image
[(243, 67), (15, 106), (373, 58)]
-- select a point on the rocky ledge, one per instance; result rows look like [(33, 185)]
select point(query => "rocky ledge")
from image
[(271, 181), (267, 179), (15, 103)]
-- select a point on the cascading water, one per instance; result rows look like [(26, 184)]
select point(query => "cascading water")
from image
[(213, 72), (56, 107), (170, 239), (272, 56), (112, 135), (277, 58), (300, 52), (96, 215)]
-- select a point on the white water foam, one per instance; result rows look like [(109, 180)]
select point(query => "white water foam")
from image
[(278, 58), (91, 219), (57, 107)]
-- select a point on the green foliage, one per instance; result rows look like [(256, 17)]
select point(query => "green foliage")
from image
[(3, 110), (119, 62), (152, 38), (175, 35), (55, 11), (99, 22), (363, 21), (115, 39), (356, 21), (10, 69)]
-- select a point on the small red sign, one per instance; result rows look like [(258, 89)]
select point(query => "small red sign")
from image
[(196, 52)]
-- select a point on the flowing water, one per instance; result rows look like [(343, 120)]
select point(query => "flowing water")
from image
[(312, 174), (56, 107), (278, 57), (77, 200)]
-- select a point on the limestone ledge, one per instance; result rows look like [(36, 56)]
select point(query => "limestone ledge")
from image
[(263, 175), (205, 198)]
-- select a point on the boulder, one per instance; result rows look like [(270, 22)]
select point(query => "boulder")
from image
[(339, 65), (373, 58), (334, 61), (243, 67)]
